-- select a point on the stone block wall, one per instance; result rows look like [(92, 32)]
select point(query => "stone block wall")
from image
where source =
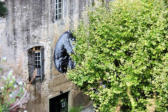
[(32, 23)]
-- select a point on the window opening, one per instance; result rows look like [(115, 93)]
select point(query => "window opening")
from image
[(59, 7), (38, 61), (36, 64)]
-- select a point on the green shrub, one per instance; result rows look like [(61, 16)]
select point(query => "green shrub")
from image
[(122, 57), (11, 91), (75, 109), (3, 10)]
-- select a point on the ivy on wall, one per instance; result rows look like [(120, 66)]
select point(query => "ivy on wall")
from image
[(122, 57)]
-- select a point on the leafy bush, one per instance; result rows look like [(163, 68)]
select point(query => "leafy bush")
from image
[(3, 9), (75, 109), (12, 93), (7, 83), (122, 57)]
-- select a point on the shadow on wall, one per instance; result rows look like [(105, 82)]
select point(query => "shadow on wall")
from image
[(63, 50)]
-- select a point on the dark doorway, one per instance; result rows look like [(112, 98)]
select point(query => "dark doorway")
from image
[(59, 103)]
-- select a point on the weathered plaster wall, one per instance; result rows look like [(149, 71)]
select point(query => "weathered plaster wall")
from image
[(2, 34), (31, 23)]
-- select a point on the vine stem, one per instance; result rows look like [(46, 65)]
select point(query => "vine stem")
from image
[(133, 103), (118, 108)]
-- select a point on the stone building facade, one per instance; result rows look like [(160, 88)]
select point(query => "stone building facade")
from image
[(35, 25)]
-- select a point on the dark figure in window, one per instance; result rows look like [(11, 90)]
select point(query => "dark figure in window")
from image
[(62, 52)]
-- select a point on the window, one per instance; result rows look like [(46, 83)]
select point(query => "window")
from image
[(59, 9), (36, 64), (38, 61)]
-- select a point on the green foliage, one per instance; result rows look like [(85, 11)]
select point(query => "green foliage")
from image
[(10, 91), (75, 109), (122, 56), (3, 10), (5, 90)]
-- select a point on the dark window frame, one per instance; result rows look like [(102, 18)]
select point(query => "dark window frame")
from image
[(36, 64), (59, 9)]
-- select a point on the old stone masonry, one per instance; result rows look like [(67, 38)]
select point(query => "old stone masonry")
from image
[(28, 37)]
